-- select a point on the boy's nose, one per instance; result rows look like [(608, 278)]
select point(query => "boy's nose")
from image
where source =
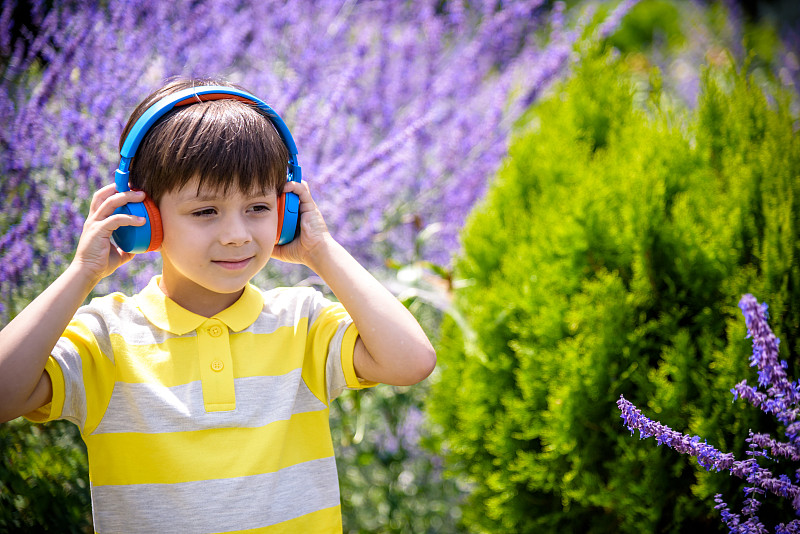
[(235, 232)]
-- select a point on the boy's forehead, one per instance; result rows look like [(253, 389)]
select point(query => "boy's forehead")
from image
[(197, 190)]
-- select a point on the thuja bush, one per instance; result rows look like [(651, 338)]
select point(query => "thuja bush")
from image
[(44, 482), (607, 260)]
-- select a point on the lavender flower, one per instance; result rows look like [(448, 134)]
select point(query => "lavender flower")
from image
[(781, 399), (401, 111)]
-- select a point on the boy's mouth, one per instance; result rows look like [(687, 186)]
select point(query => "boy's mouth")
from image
[(233, 264)]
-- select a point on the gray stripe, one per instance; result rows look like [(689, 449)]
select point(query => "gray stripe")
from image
[(334, 373), (153, 408), (218, 505), (94, 319)]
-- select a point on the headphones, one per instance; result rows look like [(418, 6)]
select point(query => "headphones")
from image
[(148, 237)]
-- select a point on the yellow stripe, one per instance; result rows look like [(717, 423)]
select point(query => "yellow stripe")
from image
[(348, 361), (272, 354), (327, 521), (134, 458), (54, 408), (171, 363), (175, 362), (348, 354)]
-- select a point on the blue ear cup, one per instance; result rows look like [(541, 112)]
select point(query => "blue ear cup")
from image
[(137, 239), (289, 223), (145, 238)]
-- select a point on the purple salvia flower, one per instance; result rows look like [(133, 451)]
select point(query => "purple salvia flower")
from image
[(707, 456), (731, 520), (782, 396), (776, 448), (780, 399)]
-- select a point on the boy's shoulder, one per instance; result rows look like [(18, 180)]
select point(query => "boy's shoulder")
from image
[(113, 308), (279, 293), (283, 296), (303, 300), (112, 304)]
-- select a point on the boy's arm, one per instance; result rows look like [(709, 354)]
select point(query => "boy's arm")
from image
[(392, 347), (27, 341)]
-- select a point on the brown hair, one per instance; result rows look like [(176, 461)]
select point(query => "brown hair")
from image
[(225, 143)]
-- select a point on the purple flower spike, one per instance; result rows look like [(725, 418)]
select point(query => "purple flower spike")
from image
[(782, 396), (780, 399)]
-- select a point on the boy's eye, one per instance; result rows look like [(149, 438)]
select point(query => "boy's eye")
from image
[(260, 208), (204, 213)]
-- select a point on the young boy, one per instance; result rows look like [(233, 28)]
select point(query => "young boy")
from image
[(203, 401)]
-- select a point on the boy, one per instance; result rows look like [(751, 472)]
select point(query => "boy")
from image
[(204, 402)]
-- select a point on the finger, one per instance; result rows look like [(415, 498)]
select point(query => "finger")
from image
[(107, 226), (304, 193), (101, 195), (124, 257), (116, 200), (298, 188)]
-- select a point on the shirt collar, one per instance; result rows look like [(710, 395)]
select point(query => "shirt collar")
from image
[(168, 315)]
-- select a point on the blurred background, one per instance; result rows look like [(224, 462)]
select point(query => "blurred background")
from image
[(570, 196)]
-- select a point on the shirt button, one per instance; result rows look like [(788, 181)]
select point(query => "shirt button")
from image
[(217, 365), (215, 331)]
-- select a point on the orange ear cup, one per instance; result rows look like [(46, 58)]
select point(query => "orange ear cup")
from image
[(156, 230), (281, 209)]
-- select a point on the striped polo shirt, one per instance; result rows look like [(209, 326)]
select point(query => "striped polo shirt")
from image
[(198, 424)]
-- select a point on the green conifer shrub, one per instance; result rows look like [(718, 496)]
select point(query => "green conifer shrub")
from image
[(608, 258), (44, 479)]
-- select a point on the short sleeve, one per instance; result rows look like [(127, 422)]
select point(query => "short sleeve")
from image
[(81, 371), (332, 336), (53, 409)]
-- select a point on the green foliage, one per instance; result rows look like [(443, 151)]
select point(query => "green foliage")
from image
[(388, 482), (44, 479), (607, 259), (647, 21)]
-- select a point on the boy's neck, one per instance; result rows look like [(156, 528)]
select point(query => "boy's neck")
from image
[(196, 298)]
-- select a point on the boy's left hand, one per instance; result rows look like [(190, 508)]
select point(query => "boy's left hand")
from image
[(313, 230)]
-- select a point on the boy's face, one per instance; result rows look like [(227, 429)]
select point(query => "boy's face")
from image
[(214, 243)]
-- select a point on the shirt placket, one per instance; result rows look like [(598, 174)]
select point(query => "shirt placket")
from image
[(216, 366)]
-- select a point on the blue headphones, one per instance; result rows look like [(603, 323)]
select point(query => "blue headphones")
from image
[(148, 237)]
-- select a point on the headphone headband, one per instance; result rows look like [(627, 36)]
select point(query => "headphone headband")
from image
[(195, 95)]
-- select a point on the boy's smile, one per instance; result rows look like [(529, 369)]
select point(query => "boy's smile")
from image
[(214, 243), (233, 265)]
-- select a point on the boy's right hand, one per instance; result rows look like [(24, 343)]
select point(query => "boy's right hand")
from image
[(97, 256)]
